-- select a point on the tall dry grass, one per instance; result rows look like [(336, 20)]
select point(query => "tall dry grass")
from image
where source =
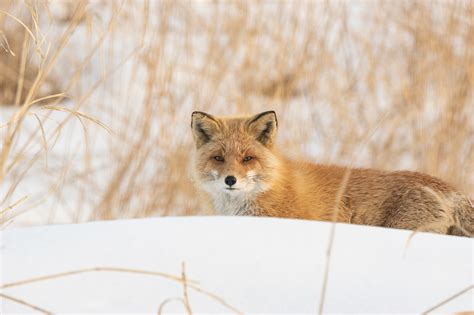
[(384, 84)]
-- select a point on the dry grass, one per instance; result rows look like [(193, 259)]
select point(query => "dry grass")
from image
[(22, 52), (449, 299), (183, 279), (334, 71), (187, 284)]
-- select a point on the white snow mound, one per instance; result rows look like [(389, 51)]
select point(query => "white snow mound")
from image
[(256, 265)]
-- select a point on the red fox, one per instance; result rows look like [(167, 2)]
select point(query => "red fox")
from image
[(239, 171)]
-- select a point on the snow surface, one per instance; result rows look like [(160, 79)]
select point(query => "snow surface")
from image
[(257, 265)]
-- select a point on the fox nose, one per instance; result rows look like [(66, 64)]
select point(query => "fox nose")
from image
[(230, 180)]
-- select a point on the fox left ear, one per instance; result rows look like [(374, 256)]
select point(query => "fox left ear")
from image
[(204, 127), (264, 127)]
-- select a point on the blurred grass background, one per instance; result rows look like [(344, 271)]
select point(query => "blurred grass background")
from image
[(97, 96)]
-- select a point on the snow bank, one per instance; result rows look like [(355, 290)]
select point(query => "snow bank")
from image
[(257, 265)]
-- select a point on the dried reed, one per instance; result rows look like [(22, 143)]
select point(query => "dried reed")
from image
[(332, 71)]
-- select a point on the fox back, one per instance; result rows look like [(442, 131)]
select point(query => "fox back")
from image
[(239, 171)]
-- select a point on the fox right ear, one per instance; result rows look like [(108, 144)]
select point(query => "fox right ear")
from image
[(204, 126), (264, 127)]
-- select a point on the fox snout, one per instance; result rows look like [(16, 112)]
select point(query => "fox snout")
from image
[(234, 182), (230, 181)]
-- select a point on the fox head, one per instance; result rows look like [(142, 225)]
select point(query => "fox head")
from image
[(234, 156)]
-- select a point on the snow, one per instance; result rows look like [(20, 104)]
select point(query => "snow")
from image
[(257, 265)]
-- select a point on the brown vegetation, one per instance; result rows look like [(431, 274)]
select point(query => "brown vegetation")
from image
[(385, 85)]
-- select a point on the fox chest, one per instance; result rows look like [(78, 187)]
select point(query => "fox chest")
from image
[(236, 205)]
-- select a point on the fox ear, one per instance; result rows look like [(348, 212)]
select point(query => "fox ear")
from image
[(204, 126), (264, 127)]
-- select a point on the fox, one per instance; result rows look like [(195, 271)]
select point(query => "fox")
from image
[(238, 170)]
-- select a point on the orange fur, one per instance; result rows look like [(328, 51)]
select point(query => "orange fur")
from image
[(269, 184)]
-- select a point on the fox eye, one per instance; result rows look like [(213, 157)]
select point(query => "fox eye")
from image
[(248, 158), (219, 158)]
